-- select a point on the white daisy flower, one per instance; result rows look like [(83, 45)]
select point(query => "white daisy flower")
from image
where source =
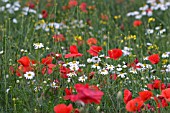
[(110, 67), (82, 78), (54, 85), (96, 59), (82, 65), (119, 69), (103, 72), (124, 66), (74, 68), (149, 31), (8, 5), (165, 55), (126, 53), (132, 70), (71, 74), (29, 75), (122, 75), (38, 45), (96, 66), (89, 60), (148, 66)]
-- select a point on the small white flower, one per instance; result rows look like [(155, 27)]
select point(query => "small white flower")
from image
[(157, 28), (54, 85), (124, 66), (2, 8), (1, 52), (122, 75), (96, 66), (38, 45), (17, 81), (119, 69), (14, 20), (165, 55), (71, 74), (145, 58), (127, 49), (96, 59), (109, 67), (74, 68), (126, 53), (102, 55), (7, 90), (5, 0), (132, 70), (103, 72), (8, 5), (40, 16), (82, 78), (148, 66), (29, 75), (148, 44), (149, 31), (89, 60), (68, 79), (168, 68), (82, 65)]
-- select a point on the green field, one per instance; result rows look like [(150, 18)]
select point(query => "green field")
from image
[(84, 56)]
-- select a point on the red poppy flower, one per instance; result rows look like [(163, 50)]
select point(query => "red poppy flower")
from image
[(94, 50), (64, 71), (59, 38), (47, 60), (48, 66), (127, 96), (44, 14), (134, 104), (83, 7), (68, 91), (145, 95), (104, 17), (25, 69), (26, 65), (92, 41), (73, 52), (86, 94), (137, 23), (72, 3), (62, 108), (25, 61), (160, 101), (113, 76), (156, 85), (76, 110), (31, 5), (115, 53), (166, 93), (154, 59)]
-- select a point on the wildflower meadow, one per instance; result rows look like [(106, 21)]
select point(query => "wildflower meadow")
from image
[(84, 56)]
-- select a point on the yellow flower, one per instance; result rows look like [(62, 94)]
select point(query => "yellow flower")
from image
[(76, 38), (151, 20), (117, 17)]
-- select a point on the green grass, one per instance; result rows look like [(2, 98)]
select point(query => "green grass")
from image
[(13, 37)]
